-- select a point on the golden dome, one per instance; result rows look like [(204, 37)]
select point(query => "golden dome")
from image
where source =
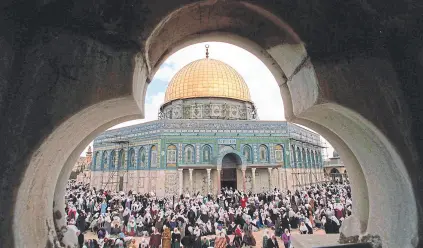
[(207, 78)]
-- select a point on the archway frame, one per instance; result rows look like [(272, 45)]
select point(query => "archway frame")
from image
[(310, 108), (225, 152)]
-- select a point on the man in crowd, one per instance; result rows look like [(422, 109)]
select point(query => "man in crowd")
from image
[(116, 214)]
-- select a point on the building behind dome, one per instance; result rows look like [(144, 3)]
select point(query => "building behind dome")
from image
[(207, 137), (334, 168)]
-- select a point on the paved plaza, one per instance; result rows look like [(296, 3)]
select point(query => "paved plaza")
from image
[(319, 238)]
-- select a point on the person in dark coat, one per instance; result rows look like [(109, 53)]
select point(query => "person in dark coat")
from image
[(272, 242), (155, 239), (188, 241), (80, 222), (191, 217), (81, 239), (285, 223)]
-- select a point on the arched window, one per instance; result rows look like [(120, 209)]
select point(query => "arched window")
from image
[(319, 160), (112, 162), (97, 161), (308, 159), (104, 161), (313, 161), (278, 153), (171, 155), (293, 157), (206, 153), (248, 153), (131, 158), (153, 156), (141, 157), (299, 161), (121, 160), (304, 158), (189, 154), (263, 153)]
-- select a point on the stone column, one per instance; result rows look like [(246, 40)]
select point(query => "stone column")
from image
[(244, 187), (181, 181), (270, 178), (208, 181), (253, 173), (280, 179), (218, 180), (190, 181)]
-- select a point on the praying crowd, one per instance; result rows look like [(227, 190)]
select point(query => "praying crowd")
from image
[(204, 221)]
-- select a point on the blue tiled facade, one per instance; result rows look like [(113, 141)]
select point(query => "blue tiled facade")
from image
[(169, 144)]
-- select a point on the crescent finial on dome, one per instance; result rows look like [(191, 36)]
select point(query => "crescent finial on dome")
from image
[(207, 51)]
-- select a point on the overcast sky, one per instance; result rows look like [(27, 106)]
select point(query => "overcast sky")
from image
[(264, 90)]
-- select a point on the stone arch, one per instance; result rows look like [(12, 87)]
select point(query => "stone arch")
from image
[(304, 83), (225, 152), (231, 160), (321, 106)]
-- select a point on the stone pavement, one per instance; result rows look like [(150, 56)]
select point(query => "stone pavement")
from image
[(314, 240), (319, 238)]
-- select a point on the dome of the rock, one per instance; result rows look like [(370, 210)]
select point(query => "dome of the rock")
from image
[(207, 78)]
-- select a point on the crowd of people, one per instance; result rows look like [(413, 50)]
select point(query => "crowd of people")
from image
[(204, 221)]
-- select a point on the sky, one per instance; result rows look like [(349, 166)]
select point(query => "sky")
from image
[(264, 90)]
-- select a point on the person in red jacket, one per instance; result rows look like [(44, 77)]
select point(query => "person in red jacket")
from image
[(244, 201)]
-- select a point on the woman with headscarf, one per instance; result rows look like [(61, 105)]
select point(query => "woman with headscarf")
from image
[(303, 228), (189, 239), (166, 237), (197, 237), (132, 244), (238, 237), (231, 228), (286, 238), (144, 240), (155, 239), (248, 240), (131, 227), (272, 242), (176, 238), (308, 225), (266, 237)]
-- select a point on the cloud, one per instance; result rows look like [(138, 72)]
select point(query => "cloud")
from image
[(165, 72), (264, 90)]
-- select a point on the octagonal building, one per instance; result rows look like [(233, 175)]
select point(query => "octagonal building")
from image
[(208, 136)]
